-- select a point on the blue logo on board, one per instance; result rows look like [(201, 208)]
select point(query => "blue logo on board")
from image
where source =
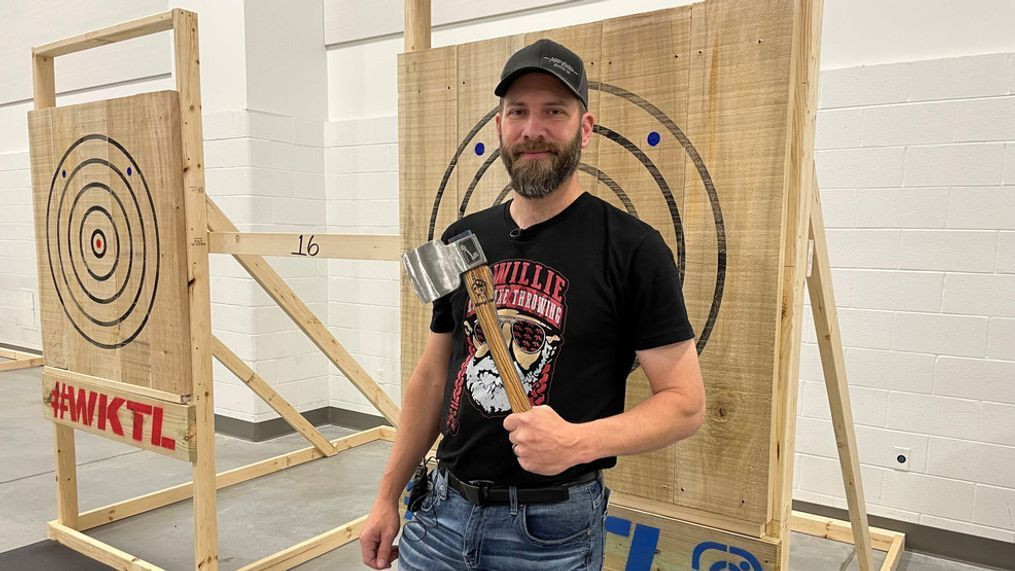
[(643, 543), (748, 562)]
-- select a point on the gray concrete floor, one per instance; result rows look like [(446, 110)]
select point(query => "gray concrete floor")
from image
[(256, 518)]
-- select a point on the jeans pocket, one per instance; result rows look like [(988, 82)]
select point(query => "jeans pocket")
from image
[(557, 524)]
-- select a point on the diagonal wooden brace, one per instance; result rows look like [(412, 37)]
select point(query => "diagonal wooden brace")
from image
[(270, 396), (305, 319), (833, 363)]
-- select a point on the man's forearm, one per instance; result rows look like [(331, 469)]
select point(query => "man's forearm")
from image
[(418, 427), (659, 421)]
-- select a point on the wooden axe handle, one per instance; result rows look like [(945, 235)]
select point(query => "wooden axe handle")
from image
[(479, 284)]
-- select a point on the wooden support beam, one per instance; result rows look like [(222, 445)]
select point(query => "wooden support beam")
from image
[(66, 476), (73, 377), (171, 495), (387, 433), (270, 396), (838, 530), (43, 80), (7, 353), (162, 427), (97, 550), (417, 25), (20, 361), (305, 319), (188, 83), (833, 363), (892, 542), (331, 246), (309, 549), (894, 555), (798, 167), (105, 36)]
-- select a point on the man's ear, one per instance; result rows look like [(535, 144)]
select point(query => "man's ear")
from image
[(496, 122), (588, 121)]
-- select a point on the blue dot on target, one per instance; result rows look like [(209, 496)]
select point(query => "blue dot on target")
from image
[(128, 171), (64, 173), (653, 138), (480, 149)]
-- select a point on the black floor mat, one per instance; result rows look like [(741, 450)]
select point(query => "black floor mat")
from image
[(48, 555)]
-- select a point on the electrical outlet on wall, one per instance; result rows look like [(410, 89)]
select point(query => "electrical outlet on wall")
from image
[(902, 458)]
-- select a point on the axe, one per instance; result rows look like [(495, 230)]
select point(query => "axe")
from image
[(436, 269)]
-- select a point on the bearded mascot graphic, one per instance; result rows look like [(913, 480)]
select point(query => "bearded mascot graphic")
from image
[(531, 306)]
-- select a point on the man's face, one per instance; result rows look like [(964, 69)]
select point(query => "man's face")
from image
[(542, 132)]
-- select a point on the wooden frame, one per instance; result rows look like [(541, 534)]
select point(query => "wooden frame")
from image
[(18, 359), (893, 543), (805, 259), (197, 409)]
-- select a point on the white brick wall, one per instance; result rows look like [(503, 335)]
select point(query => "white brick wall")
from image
[(928, 149), (361, 166), (18, 273), (266, 172)]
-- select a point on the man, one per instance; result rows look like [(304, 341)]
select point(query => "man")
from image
[(582, 289)]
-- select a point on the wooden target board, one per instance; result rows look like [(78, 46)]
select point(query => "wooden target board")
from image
[(692, 126), (108, 193)]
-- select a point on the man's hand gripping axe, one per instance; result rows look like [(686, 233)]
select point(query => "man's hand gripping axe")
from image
[(436, 269)]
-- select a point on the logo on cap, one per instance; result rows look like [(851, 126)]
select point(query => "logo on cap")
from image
[(561, 65)]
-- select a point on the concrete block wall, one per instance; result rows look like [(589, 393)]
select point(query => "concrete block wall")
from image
[(266, 172), (918, 188), (361, 165)]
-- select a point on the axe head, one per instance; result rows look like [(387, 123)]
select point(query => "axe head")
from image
[(435, 268)]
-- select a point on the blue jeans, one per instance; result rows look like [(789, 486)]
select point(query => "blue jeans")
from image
[(449, 533)]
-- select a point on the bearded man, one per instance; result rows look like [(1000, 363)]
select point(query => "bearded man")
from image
[(583, 289)]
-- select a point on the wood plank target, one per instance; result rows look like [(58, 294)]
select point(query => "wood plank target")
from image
[(692, 119), (108, 192)]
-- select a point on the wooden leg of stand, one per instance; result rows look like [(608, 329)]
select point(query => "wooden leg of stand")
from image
[(205, 516), (66, 476), (826, 324), (188, 83), (894, 555)]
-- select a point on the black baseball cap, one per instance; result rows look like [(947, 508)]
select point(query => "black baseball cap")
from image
[(548, 57)]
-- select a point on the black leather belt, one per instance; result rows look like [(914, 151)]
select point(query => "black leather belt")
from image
[(486, 493)]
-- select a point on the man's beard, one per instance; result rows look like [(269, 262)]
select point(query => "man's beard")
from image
[(537, 178)]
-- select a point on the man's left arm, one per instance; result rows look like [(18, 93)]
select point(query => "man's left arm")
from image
[(547, 444)]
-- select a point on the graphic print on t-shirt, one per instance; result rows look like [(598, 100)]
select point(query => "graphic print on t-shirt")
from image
[(531, 306)]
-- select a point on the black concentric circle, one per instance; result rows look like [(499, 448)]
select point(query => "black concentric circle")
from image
[(663, 185), (102, 241)]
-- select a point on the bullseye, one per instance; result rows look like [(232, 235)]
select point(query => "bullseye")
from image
[(98, 243)]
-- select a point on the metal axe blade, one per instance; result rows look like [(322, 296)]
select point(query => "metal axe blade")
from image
[(435, 268)]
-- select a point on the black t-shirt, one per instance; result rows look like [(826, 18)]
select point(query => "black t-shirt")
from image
[(578, 294)]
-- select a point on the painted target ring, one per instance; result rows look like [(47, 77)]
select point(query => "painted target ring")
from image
[(102, 241), (653, 139)]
